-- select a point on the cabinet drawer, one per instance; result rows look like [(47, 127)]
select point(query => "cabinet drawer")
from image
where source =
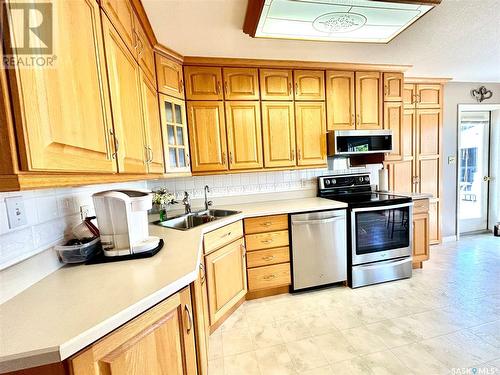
[(269, 276), (420, 206), (267, 257), (266, 240), (222, 236), (266, 224)]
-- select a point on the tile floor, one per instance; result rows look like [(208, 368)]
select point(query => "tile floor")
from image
[(444, 320)]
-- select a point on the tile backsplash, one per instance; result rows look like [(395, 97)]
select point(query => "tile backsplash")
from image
[(52, 213)]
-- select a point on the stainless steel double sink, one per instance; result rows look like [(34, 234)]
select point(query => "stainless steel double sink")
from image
[(194, 219)]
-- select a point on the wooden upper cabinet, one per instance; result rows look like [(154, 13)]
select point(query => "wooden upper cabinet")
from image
[(309, 84), (175, 134), (393, 120), (169, 74), (226, 278), (310, 125), (278, 134), (159, 341), (203, 83), (244, 134), (429, 96), (207, 136), (393, 87), (63, 116), (145, 54), (241, 83), (152, 130), (276, 84), (340, 100), (122, 16), (369, 100), (125, 89), (409, 95)]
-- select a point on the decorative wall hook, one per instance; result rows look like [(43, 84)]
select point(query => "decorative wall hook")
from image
[(482, 93)]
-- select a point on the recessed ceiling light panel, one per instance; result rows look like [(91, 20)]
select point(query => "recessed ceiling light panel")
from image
[(333, 20)]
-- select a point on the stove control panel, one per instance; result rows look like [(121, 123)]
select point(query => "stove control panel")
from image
[(343, 181)]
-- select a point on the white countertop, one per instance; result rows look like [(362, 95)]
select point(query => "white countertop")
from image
[(76, 305)]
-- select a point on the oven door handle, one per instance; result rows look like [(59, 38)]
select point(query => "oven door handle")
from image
[(383, 208), (319, 221), (392, 262)]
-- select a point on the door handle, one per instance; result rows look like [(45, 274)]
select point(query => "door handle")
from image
[(190, 318), (289, 88), (117, 144), (487, 178)]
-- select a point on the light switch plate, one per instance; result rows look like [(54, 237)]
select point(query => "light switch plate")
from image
[(16, 212), (451, 159)]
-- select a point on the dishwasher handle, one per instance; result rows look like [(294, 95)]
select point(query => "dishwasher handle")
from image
[(318, 221)]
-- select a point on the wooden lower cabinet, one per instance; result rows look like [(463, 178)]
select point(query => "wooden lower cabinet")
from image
[(201, 318), (159, 341), (420, 232), (268, 257)]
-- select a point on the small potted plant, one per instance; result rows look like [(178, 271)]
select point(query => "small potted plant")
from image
[(162, 198)]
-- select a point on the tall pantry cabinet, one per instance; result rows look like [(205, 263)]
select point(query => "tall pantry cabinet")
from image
[(415, 164)]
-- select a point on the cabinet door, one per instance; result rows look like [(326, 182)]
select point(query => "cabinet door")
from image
[(175, 135), (401, 176), (226, 279), (340, 100), (420, 237), (310, 125), (203, 83), (62, 114), (152, 128), (278, 128), (207, 136), (428, 123), (122, 16), (393, 87), (169, 75), (309, 84), (244, 135), (276, 84), (368, 101), (145, 54), (393, 120), (202, 318), (159, 341), (241, 84), (409, 92), (429, 96), (124, 84)]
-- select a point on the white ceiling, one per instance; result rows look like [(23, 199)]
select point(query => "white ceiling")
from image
[(459, 39)]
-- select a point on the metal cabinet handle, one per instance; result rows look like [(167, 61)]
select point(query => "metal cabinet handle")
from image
[(292, 155), (269, 277), (223, 158), (358, 119), (296, 88), (188, 163), (230, 157), (146, 160), (203, 275), (299, 155), (386, 90), (218, 87), (244, 250), (270, 257), (289, 88), (353, 119), (267, 241), (190, 318), (267, 224), (225, 87), (117, 144), (226, 235), (181, 86)]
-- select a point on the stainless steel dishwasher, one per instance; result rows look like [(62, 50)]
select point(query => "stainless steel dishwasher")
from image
[(319, 248)]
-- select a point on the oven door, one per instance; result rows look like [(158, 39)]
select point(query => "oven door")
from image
[(381, 233)]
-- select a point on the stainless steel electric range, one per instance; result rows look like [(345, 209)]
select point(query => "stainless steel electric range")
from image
[(379, 230)]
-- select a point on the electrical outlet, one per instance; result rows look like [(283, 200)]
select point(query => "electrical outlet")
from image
[(84, 211), (16, 212)]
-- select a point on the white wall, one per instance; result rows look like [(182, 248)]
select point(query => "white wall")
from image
[(455, 93)]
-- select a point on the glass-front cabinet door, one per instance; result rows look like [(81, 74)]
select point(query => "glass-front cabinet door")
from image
[(175, 138)]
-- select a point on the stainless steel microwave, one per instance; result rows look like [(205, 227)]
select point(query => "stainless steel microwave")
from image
[(356, 142)]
